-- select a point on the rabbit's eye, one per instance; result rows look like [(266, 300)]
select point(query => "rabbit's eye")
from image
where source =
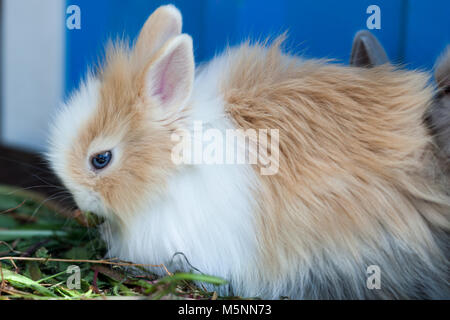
[(101, 160)]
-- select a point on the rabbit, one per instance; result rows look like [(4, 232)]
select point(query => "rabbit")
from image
[(347, 188)]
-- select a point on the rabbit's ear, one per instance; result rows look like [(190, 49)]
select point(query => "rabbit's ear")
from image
[(161, 26), (169, 77), (367, 51), (442, 70)]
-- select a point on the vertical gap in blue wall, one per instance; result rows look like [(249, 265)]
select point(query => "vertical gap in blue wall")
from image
[(403, 30)]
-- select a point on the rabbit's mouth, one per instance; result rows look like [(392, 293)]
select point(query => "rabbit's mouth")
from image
[(89, 201)]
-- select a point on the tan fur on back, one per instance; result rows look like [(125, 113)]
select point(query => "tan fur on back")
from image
[(355, 156)]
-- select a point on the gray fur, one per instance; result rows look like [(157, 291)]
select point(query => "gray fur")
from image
[(438, 118), (404, 275), (367, 51)]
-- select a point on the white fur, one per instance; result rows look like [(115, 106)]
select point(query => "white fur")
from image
[(66, 125), (68, 121)]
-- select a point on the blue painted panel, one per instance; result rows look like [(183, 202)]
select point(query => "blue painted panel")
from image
[(327, 28), (428, 32), (412, 31), (322, 28)]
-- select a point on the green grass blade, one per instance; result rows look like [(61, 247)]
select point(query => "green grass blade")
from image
[(24, 282), (8, 235), (193, 277)]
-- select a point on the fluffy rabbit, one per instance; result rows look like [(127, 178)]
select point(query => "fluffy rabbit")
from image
[(351, 185)]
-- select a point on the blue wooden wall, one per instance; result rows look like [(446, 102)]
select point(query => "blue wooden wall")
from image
[(413, 32)]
